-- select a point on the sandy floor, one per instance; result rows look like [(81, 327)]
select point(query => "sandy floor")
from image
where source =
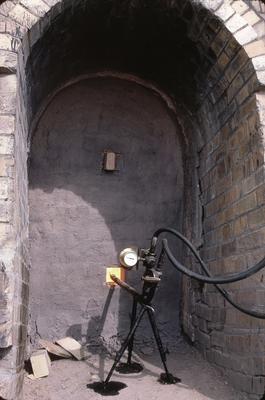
[(68, 380)]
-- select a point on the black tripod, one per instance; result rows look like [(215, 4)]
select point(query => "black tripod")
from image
[(151, 278), (144, 300)]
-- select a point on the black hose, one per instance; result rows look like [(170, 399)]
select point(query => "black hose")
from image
[(215, 280), (202, 278), (222, 291)]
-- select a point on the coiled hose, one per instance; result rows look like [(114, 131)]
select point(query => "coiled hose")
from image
[(207, 278)]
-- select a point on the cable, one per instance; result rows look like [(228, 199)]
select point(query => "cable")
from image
[(219, 280), (202, 278), (222, 291)]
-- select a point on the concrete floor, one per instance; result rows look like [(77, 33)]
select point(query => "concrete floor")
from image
[(68, 379)]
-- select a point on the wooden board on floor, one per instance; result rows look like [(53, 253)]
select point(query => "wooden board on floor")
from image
[(72, 346), (40, 363), (55, 349)]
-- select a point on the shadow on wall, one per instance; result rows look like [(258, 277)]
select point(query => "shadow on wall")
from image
[(81, 217)]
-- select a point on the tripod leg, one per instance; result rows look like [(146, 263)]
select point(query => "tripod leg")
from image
[(130, 367), (133, 318), (125, 344), (167, 377)]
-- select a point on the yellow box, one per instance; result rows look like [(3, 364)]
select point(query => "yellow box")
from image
[(117, 271)]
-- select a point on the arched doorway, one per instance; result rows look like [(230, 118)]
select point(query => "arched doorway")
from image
[(208, 56)]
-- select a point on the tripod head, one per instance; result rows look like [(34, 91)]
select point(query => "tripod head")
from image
[(132, 257)]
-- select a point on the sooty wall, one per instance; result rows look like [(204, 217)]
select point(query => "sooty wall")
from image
[(81, 217)]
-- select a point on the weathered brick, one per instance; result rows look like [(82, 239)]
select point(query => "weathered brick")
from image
[(8, 42), (236, 319), (6, 145), (256, 48), (220, 41), (242, 95), (225, 12), (14, 29), (203, 340), (51, 2), (8, 61), (232, 195), (234, 263), (214, 299), (6, 7), (7, 103), (6, 209), (246, 35), (259, 28), (246, 204), (261, 78), (237, 343), (228, 249), (234, 87), (203, 325), (4, 188), (7, 124), (237, 172), (212, 4), (211, 253), (224, 184), (260, 102), (5, 336), (8, 84), (251, 241), (251, 17), (240, 6), (258, 384), (6, 167), (229, 111), (37, 7), (19, 336), (248, 107), (223, 60), (235, 66), (235, 23), (259, 63), (22, 16), (232, 48), (240, 225), (260, 193)]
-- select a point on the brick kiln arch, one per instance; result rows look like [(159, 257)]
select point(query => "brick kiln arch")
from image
[(222, 114)]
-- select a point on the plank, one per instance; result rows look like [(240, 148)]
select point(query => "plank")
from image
[(54, 349), (72, 346), (40, 362)]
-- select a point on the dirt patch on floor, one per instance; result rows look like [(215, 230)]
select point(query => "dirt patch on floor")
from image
[(68, 379)]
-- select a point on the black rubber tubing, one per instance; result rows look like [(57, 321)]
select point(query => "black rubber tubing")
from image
[(208, 279), (222, 291)]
